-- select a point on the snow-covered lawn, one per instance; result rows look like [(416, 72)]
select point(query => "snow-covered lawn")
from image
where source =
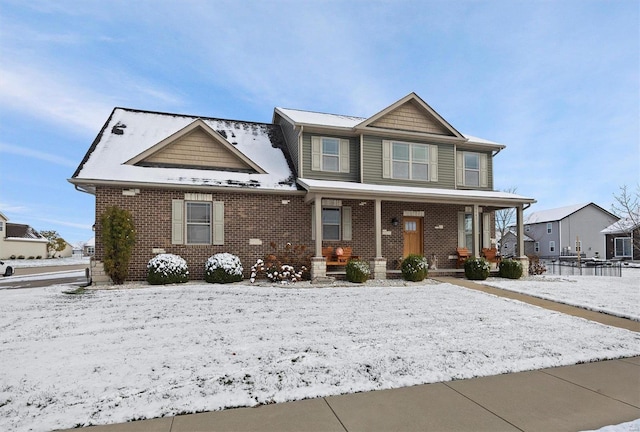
[(24, 263), (115, 355), (619, 296)]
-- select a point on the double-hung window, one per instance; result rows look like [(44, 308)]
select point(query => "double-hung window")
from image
[(472, 169), (335, 220), (549, 228), (331, 223), (198, 222), (330, 154), (552, 246)]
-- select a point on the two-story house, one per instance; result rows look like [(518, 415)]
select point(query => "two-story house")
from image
[(401, 181), (567, 231)]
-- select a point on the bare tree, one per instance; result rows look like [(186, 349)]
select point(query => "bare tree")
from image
[(627, 206), (505, 217)]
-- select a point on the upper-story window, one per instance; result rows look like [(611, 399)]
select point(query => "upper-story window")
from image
[(329, 154), (472, 169), (549, 228), (410, 161)]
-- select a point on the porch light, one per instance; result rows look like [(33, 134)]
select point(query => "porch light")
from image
[(395, 221)]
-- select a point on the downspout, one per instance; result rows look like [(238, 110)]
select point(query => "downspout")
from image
[(300, 164)]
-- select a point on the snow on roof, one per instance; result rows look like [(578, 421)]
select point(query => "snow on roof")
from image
[(139, 130), (553, 215), (622, 226), (408, 192), (344, 121)]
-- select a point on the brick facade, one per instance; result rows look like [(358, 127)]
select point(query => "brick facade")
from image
[(277, 218)]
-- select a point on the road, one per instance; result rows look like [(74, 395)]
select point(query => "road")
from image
[(36, 277)]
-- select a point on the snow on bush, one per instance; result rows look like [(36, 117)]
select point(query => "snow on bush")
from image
[(223, 268), (283, 273), (476, 268), (414, 268), (166, 269), (510, 269), (358, 271)]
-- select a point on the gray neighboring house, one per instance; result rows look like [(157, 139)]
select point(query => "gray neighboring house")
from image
[(509, 241), (560, 231)]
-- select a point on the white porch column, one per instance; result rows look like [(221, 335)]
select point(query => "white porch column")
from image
[(379, 263), (520, 254), (476, 231), (378, 224), (318, 263), (317, 215)]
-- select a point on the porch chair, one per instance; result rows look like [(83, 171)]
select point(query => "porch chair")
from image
[(491, 255), (463, 254)]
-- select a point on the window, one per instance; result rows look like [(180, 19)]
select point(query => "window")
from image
[(472, 169), (536, 247), (527, 228), (549, 227), (552, 246), (465, 230), (410, 161), (336, 221), (331, 224), (329, 154), (1, 226), (198, 223), (623, 246), (197, 220)]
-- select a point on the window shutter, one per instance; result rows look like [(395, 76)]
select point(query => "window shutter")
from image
[(217, 223), (433, 163), (386, 159), (177, 221), (344, 156), (484, 171), (461, 235), (459, 168), (346, 223), (486, 230), (313, 221), (316, 153)]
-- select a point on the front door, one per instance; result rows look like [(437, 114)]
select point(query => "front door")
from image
[(412, 229)]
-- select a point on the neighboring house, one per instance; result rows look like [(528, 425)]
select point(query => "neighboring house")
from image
[(64, 253), (561, 231), (20, 240), (89, 248), (508, 245), (401, 181), (621, 239)]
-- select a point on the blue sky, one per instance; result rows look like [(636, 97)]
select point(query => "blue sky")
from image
[(558, 82)]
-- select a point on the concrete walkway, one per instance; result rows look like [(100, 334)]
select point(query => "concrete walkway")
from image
[(569, 398)]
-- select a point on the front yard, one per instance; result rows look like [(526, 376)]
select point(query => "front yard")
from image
[(116, 355)]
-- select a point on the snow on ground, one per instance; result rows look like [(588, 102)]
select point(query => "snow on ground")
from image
[(632, 426), (114, 355), (619, 296), (24, 263)]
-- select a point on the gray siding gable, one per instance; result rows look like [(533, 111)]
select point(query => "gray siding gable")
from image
[(354, 160)]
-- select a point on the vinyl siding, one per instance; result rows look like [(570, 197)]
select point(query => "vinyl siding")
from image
[(410, 117), (354, 157), (372, 165), (291, 139)]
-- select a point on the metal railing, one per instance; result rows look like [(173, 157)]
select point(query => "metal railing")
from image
[(584, 268)]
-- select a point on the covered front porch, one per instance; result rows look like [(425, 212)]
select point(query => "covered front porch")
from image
[(382, 224)]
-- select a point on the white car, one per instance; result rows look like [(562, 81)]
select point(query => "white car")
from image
[(5, 269)]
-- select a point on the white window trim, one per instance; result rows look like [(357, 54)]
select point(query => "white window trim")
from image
[(536, 247), (345, 223), (432, 161), (483, 163), (549, 228), (179, 220), (552, 246), (317, 154)]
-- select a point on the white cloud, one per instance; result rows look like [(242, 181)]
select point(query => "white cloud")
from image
[(35, 154)]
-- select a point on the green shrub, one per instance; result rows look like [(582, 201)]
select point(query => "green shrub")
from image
[(12, 257), (414, 268), (39, 257), (223, 268), (358, 271), (510, 269), (118, 238), (476, 268), (20, 256), (167, 269), (32, 257)]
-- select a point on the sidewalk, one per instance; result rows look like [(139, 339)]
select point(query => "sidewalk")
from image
[(569, 398)]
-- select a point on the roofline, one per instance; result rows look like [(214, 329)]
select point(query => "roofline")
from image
[(89, 185), (566, 216)]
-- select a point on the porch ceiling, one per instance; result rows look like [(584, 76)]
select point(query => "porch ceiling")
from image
[(349, 190)]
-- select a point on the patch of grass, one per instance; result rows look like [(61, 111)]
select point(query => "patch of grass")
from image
[(77, 291)]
